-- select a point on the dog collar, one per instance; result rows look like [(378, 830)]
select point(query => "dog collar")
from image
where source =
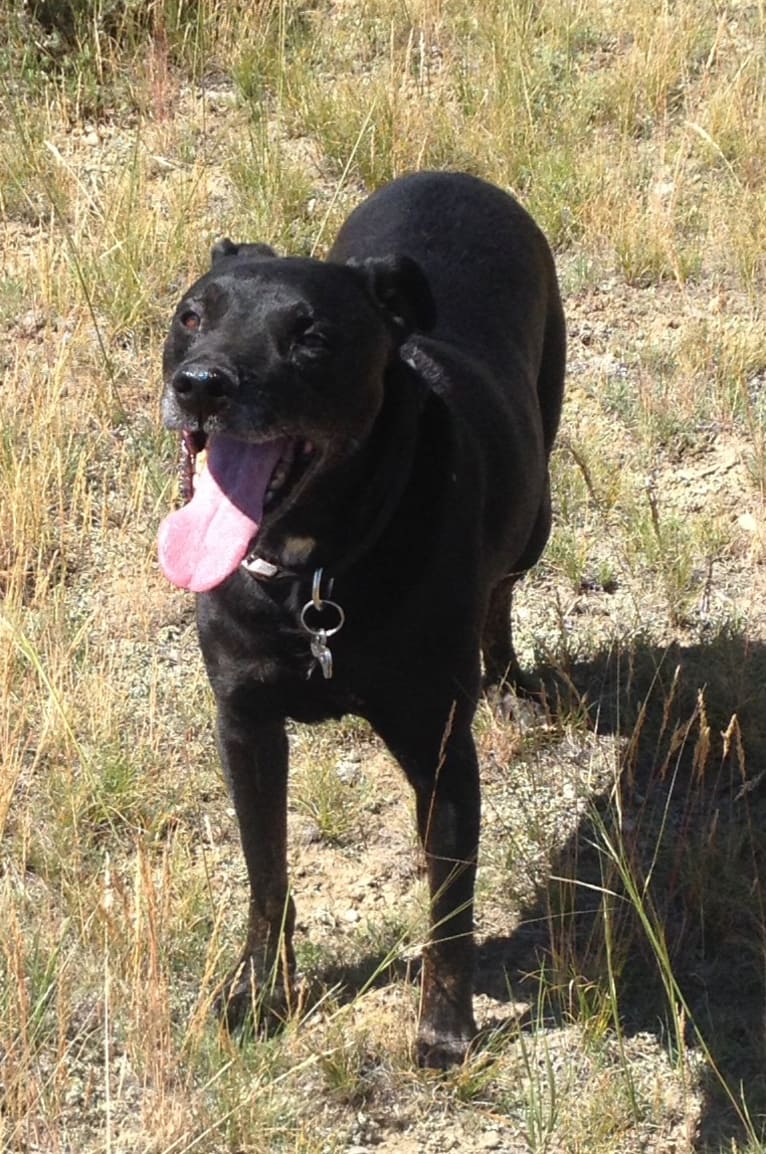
[(263, 569), (313, 617)]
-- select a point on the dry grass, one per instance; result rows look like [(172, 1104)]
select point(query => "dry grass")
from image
[(624, 999)]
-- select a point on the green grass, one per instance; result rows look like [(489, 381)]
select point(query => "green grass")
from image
[(621, 885)]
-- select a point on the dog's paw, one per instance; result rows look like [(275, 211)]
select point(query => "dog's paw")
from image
[(514, 690), (441, 1049), (509, 704), (242, 1001)]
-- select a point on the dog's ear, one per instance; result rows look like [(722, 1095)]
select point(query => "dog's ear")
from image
[(399, 287), (225, 248)]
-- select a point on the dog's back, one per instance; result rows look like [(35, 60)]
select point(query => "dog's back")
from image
[(490, 270)]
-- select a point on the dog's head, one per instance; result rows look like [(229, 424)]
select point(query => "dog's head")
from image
[(274, 369)]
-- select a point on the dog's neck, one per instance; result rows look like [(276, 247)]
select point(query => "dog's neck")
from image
[(363, 492)]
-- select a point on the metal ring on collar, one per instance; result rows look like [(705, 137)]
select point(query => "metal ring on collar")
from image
[(316, 589), (320, 608)]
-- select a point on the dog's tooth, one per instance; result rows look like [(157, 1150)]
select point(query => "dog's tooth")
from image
[(185, 472), (200, 464), (282, 471)]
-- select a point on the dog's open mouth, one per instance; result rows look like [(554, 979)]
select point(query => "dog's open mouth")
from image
[(193, 463), (227, 486)]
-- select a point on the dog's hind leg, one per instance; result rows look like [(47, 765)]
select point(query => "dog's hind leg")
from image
[(502, 672), (501, 667)]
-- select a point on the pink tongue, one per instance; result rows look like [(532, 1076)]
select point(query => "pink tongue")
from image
[(205, 541)]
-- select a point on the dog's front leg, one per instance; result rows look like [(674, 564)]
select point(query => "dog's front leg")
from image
[(439, 759), (255, 761), (448, 826)]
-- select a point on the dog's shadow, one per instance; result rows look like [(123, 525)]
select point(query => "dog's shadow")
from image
[(662, 887), (668, 863)]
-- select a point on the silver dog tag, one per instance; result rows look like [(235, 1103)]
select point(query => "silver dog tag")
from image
[(321, 653), (320, 650)]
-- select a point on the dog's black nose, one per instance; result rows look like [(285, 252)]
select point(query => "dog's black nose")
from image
[(203, 391)]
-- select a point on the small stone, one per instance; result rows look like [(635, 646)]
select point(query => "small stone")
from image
[(31, 322), (349, 770), (526, 715), (491, 1140), (310, 833), (74, 1092)]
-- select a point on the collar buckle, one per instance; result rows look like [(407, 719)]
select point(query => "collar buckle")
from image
[(260, 567)]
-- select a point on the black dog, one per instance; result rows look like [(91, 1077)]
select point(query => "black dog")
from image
[(371, 495)]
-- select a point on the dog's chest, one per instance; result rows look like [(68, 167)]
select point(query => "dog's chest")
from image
[(302, 660)]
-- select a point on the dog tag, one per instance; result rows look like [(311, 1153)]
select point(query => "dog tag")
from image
[(320, 650), (321, 653)]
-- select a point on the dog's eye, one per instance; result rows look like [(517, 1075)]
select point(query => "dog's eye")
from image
[(190, 320), (313, 339), (309, 337)]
